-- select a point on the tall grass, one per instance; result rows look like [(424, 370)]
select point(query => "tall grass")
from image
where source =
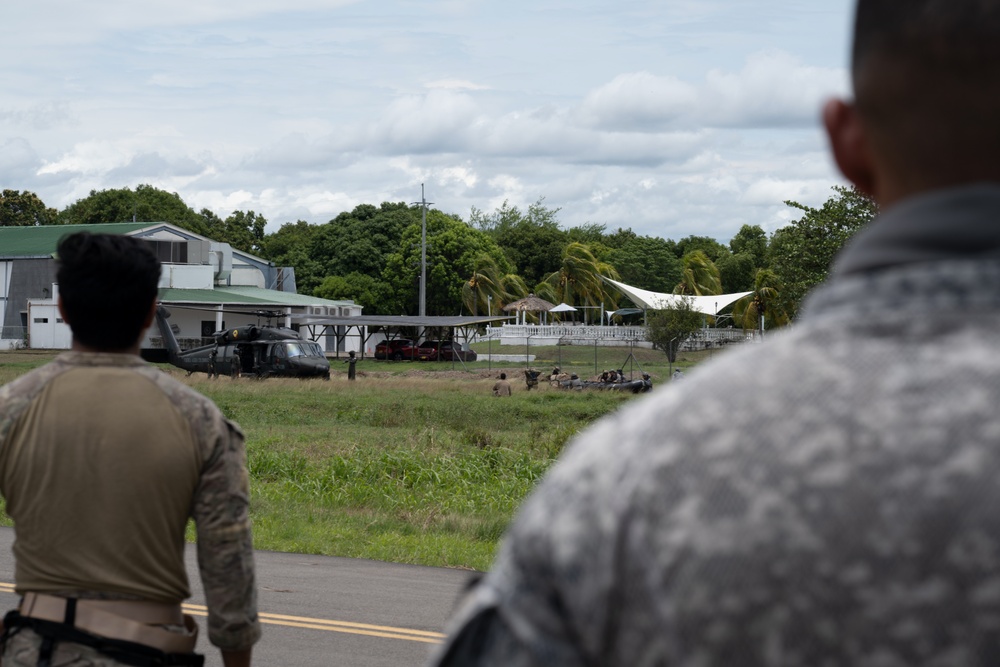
[(423, 468)]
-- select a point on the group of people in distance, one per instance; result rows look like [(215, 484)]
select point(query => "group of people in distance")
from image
[(826, 497)]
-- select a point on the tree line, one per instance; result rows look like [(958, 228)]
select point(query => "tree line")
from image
[(477, 265)]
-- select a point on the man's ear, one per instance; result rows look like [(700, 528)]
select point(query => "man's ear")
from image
[(850, 145)]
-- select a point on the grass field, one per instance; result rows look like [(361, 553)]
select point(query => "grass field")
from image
[(414, 462)]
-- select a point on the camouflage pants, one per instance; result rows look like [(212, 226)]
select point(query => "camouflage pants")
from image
[(22, 651)]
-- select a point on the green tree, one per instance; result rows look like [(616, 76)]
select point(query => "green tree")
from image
[(763, 306), (645, 262), (750, 240), (801, 253), (24, 209), (488, 289), (367, 291), (709, 246), (144, 204), (361, 241), (453, 250), (578, 280), (700, 276), (736, 272), (590, 233), (289, 246), (243, 231), (507, 216), (532, 241), (667, 329)]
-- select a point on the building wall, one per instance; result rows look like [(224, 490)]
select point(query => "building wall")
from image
[(25, 279), (46, 329)]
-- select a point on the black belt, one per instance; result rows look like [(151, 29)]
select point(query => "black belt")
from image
[(125, 652)]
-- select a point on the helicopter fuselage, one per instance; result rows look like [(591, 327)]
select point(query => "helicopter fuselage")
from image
[(249, 351)]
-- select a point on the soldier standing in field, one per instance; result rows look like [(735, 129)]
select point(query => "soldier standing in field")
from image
[(352, 362), (103, 458)]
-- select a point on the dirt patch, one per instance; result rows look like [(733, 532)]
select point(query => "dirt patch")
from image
[(443, 375)]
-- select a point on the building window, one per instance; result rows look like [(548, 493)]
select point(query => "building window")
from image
[(170, 252), (41, 320)]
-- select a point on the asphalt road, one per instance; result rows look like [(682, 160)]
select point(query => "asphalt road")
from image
[(318, 611)]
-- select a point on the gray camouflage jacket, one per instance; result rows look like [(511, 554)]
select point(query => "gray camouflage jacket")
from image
[(829, 497)]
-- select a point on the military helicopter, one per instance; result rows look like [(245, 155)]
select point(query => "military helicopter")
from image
[(258, 351)]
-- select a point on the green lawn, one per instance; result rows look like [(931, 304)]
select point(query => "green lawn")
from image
[(414, 462)]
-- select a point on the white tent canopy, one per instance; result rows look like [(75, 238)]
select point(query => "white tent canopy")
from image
[(707, 305), (562, 308)]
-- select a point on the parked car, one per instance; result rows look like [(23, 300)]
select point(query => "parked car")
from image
[(449, 350), (397, 348), (428, 350)]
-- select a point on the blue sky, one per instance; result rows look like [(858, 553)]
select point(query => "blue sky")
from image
[(673, 118)]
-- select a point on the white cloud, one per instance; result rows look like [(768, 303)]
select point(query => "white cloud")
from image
[(40, 116), (455, 84), (670, 119), (640, 101), (435, 122), (773, 89), (16, 157)]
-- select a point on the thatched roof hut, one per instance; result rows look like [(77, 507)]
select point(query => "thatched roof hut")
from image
[(529, 304)]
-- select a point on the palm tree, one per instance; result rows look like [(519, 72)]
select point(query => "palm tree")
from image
[(488, 285), (750, 311), (700, 277), (578, 281)]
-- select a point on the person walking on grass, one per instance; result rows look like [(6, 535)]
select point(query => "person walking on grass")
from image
[(103, 459), (829, 496)]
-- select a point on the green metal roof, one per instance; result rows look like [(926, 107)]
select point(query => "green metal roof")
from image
[(245, 296), (42, 241), (288, 298)]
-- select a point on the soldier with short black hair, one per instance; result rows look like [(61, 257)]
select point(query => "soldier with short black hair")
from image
[(103, 459)]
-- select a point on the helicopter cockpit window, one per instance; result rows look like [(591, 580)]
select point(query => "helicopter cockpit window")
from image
[(303, 349)]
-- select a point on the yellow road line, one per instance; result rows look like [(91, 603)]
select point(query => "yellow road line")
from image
[(348, 627)]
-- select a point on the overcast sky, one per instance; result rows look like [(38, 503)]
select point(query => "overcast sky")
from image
[(672, 117)]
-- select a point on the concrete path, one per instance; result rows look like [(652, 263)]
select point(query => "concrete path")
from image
[(319, 611)]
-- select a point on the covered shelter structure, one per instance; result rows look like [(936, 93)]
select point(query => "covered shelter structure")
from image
[(529, 304), (390, 326), (563, 308), (707, 305)]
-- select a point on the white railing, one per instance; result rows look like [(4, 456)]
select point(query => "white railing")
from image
[(584, 333)]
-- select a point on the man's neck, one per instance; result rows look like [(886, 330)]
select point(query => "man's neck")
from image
[(77, 346)]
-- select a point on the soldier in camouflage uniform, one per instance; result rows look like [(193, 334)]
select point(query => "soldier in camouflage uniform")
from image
[(830, 497), (103, 458)]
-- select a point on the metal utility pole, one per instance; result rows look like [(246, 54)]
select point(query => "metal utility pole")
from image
[(423, 250)]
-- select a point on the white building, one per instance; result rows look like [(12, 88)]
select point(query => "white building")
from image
[(208, 286)]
